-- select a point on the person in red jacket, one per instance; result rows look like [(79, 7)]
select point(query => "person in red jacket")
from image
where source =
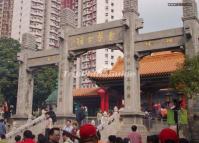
[(27, 137)]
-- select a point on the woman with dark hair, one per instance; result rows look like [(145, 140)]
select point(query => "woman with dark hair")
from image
[(42, 139), (6, 111), (112, 139), (119, 140), (153, 139), (126, 140), (183, 140), (17, 138)]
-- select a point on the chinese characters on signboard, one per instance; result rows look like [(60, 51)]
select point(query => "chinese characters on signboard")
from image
[(96, 39)]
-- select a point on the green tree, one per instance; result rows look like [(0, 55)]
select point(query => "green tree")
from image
[(9, 68), (186, 78), (45, 81)]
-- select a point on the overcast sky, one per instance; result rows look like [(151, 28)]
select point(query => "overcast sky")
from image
[(158, 15)]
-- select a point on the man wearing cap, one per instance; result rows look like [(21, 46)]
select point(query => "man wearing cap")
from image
[(168, 134), (88, 134)]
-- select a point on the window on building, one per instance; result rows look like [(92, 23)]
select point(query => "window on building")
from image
[(106, 62), (112, 10), (112, 4), (106, 7), (106, 14), (106, 49), (106, 1), (112, 57), (112, 50), (112, 17), (106, 55)]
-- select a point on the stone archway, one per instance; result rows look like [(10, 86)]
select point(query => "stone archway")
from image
[(122, 34)]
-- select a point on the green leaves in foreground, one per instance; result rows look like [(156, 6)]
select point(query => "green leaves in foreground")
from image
[(9, 68), (186, 79)]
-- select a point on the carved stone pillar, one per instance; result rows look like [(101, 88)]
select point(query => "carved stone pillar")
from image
[(191, 27), (25, 80), (191, 34), (25, 87), (132, 108), (131, 76), (65, 97)]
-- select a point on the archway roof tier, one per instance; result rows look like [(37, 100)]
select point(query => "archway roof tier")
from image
[(80, 92), (156, 64)]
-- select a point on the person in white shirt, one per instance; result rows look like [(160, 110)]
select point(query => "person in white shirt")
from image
[(43, 111), (48, 124), (68, 126), (66, 138), (104, 118)]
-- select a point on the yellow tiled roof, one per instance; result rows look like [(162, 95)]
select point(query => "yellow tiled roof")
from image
[(80, 92), (154, 64)]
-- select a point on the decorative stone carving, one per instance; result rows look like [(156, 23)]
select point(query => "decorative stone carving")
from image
[(188, 31), (28, 42), (139, 24), (67, 17), (131, 5), (189, 9)]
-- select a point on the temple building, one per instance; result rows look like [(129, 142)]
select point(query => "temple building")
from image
[(155, 71)]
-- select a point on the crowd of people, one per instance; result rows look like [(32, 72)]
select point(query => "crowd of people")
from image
[(159, 110), (81, 130), (88, 133), (6, 111)]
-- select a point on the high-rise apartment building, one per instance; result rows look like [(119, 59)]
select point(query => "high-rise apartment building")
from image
[(6, 11), (90, 12), (67, 4), (38, 17)]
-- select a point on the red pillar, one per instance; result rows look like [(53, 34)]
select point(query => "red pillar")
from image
[(102, 93), (183, 102), (106, 102)]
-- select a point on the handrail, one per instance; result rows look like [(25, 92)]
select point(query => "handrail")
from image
[(26, 126), (110, 119)]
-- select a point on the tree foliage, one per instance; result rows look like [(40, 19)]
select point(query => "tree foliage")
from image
[(186, 78), (45, 81), (9, 68)]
